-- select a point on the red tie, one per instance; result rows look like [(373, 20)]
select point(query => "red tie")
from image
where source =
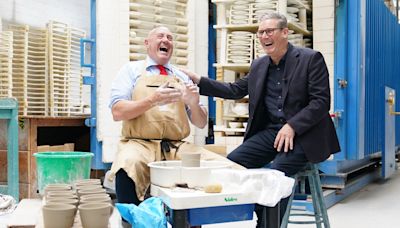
[(162, 70)]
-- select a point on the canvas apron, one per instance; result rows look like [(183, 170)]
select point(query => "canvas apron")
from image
[(142, 137)]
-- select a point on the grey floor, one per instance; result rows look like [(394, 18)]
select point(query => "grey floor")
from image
[(376, 205)]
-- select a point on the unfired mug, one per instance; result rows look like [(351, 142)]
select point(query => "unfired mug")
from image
[(58, 215), (95, 214), (190, 159)]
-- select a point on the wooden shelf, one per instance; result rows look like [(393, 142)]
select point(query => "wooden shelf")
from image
[(231, 116), (234, 67), (226, 129)]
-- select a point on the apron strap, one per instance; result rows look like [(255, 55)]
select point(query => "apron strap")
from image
[(166, 146)]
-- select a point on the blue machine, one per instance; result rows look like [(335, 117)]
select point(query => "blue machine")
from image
[(367, 65)]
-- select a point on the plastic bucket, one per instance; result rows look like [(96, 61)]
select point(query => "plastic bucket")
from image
[(61, 167)]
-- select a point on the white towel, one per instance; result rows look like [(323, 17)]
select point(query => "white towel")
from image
[(266, 186)]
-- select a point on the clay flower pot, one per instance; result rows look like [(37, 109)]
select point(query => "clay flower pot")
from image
[(95, 214), (58, 215)]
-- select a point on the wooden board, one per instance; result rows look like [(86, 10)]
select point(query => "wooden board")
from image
[(26, 214)]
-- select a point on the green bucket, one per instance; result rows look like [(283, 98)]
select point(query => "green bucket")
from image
[(61, 167)]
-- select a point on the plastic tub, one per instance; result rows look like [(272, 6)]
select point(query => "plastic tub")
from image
[(61, 167), (169, 173)]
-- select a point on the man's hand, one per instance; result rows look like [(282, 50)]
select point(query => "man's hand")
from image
[(165, 95), (190, 94), (284, 137), (195, 77)]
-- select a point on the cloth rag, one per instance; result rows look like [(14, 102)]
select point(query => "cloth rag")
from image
[(265, 186)]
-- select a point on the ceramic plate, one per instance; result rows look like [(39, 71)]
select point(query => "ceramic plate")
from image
[(239, 17), (238, 52), (264, 5), (292, 10), (239, 42), (265, 1), (239, 22), (240, 7), (241, 33), (240, 12), (236, 46), (238, 57), (239, 61)]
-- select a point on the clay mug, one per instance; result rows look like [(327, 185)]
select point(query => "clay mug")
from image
[(55, 188), (60, 185), (95, 214), (58, 215), (62, 201), (240, 108), (87, 181), (88, 187), (105, 195), (99, 199), (190, 159), (91, 192), (62, 196)]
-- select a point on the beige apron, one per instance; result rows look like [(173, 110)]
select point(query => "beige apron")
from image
[(142, 136)]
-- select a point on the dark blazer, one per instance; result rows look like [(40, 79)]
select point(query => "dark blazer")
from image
[(306, 100)]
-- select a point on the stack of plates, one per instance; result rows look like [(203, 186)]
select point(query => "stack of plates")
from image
[(19, 64), (261, 7), (240, 47), (296, 39), (258, 49), (146, 14), (240, 12), (307, 43), (6, 52)]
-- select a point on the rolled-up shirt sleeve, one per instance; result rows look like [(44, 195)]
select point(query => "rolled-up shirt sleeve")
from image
[(122, 86)]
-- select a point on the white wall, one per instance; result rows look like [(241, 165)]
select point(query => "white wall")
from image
[(38, 12)]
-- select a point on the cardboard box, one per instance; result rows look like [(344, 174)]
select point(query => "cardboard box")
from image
[(219, 149), (65, 147)]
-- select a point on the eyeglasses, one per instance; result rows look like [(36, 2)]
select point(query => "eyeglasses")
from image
[(268, 31)]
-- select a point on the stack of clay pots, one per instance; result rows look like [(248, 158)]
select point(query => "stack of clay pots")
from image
[(62, 201)]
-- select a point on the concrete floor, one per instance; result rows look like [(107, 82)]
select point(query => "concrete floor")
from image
[(376, 205)]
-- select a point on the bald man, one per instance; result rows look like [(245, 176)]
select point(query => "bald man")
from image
[(155, 101)]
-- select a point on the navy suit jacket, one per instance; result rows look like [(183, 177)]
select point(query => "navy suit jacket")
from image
[(306, 100)]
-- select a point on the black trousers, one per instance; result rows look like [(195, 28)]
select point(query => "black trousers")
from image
[(258, 151), (125, 188)]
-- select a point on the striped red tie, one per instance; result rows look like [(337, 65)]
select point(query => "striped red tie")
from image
[(162, 70)]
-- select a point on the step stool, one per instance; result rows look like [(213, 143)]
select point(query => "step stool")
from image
[(320, 213), (9, 111)]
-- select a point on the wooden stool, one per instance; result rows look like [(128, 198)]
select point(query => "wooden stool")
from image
[(320, 212), (9, 111)]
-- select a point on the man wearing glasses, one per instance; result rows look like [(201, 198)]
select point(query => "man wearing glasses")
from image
[(289, 99)]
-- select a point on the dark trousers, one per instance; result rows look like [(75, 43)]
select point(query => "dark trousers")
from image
[(125, 188), (258, 151)]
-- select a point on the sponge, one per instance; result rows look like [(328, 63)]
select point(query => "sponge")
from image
[(213, 188)]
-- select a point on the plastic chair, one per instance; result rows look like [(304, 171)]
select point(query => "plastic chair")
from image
[(9, 111), (319, 213)]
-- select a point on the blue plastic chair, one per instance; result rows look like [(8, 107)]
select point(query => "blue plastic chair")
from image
[(319, 212), (9, 111)]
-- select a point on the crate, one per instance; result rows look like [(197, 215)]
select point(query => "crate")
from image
[(37, 73), (19, 65), (239, 47), (6, 53)]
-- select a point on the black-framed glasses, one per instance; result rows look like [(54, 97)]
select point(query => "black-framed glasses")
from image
[(268, 31)]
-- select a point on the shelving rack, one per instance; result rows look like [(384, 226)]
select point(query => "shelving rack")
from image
[(225, 28)]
